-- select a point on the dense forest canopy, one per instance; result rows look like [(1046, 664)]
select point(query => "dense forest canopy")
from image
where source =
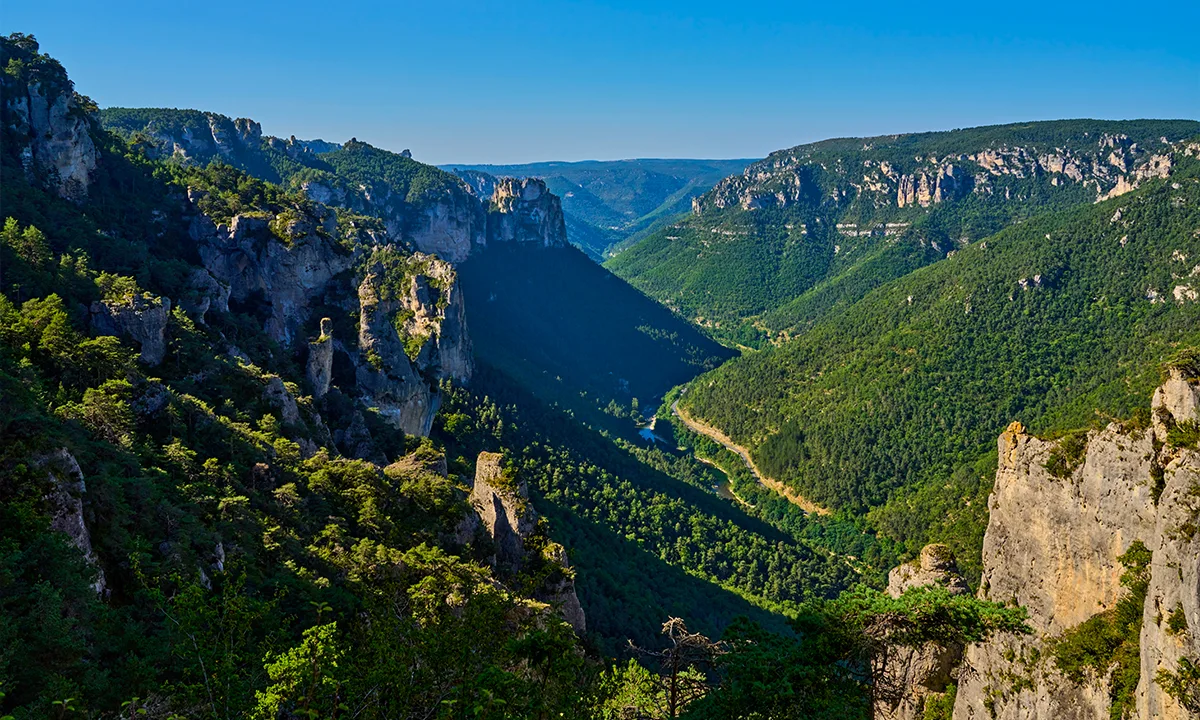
[(262, 457)]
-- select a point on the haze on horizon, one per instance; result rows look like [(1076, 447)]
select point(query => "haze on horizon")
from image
[(482, 83)]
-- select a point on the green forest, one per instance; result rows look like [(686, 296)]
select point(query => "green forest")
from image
[(1059, 322), (261, 458), (235, 562)]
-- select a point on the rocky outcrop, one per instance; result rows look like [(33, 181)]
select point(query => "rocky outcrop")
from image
[(434, 321), (425, 208), (204, 292), (935, 566), (65, 502), (277, 394), (46, 121), (558, 588), (283, 261), (524, 211), (320, 360), (139, 318), (385, 373), (500, 501), (412, 334), (916, 674), (1060, 518)]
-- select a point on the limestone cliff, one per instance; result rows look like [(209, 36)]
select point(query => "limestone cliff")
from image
[(873, 175), (384, 371), (914, 675), (501, 509), (1061, 515), (285, 261), (412, 334), (421, 206), (141, 319), (46, 123), (524, 211), (460, 217), (412, 325), (502, 502)]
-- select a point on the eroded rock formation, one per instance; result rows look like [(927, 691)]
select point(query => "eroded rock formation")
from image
[(500, 500), (141, 319), (250, 257), (524, 211), (1058, 525), (48, 123)]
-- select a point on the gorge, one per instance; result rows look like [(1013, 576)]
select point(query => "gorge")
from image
[(294, 428)]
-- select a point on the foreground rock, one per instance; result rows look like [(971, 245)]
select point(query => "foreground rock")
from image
[(508, 522), (914, 675), (1060, 520)]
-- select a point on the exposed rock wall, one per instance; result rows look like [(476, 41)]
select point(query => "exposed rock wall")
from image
[(524, 211), (1104, 166), (48, 125), (1052, 545), (435, 319), (66, 507), (1174, 593), (915, 675), (500, 502), (385, 374), (141, 319), (252, 261)]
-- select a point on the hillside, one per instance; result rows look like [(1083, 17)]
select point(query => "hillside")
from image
[(610, 204), (421, 206), (810, 230), (892, 402), (244, 427)]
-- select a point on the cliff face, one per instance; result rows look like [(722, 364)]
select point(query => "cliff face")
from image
[(883, 172), (524, 211), (1053, 545), (501, 509), (462, 217), (421, 206), (47, 124), (252, 260)]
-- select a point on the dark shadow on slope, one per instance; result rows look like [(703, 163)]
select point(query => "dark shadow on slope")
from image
[(618, 609), (561, 326)]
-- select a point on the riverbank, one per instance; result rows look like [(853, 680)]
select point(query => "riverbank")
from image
[(772, 484)]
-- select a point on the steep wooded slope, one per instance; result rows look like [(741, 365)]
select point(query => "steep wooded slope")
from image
[(894, 400), (809, 230)]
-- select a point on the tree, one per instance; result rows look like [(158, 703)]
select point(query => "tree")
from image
[(305, 679), (681, 680)]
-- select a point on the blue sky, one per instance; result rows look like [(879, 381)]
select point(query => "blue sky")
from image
[(464, 81)]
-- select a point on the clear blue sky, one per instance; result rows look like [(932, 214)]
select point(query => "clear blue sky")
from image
[(465, 81)]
